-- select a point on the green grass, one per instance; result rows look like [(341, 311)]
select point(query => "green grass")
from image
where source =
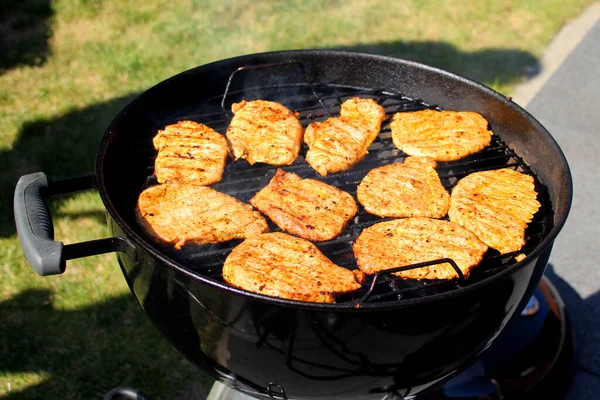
[(68, 67)]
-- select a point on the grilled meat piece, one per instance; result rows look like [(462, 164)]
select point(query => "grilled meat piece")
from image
[(183, 213), (496, 206), (409, 189), (338, 144), (407, 241), (307, 208), (190, 152), (281, 265), (264, 131), (441, 135)]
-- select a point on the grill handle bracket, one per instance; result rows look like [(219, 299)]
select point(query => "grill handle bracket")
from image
[(365, 299), (36, 230), (271, 65)]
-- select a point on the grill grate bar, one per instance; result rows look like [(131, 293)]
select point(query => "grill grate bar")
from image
[(242, 181)]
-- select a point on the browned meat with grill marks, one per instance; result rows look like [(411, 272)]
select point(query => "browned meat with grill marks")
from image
[(441, 135), (183, 214), (409, 189), (402, 242), (280, 265), (496, 206), (305, 207), (337, 144), (190, 152), (264, 131)]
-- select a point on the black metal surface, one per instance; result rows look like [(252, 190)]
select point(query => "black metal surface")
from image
[(533, 358), (327, 350)]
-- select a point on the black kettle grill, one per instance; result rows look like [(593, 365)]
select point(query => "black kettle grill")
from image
[(392, 336)]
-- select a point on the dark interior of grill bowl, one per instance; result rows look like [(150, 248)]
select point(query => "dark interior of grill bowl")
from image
[(317, 103)]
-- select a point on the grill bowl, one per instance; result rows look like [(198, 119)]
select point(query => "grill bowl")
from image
[(401, 338)]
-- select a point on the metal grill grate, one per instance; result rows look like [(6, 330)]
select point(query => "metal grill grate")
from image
[(317, 103)]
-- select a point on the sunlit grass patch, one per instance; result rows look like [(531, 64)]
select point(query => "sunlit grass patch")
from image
[(82, 333)]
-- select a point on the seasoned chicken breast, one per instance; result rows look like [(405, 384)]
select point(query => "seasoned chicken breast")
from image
[(338, 144), (183, 213), (307, 208), (409, 189), (496, 206), (281, 265), (190, 152), (407, 241), (264, 131), (441, 135)]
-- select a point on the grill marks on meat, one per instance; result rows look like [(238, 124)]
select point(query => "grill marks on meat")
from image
[(305, 207), (441, 135), (490, 208), (338, 144), (190, 152), (402, 242), (284, 266), (496, 206), (183, 214), (264, 131), (409, 189)]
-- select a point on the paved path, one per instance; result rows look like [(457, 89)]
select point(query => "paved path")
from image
[(565, 98)]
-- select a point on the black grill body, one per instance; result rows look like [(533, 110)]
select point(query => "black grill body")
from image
[(402, 336)]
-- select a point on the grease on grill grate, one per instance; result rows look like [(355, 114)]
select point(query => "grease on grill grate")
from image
[(242, 181)]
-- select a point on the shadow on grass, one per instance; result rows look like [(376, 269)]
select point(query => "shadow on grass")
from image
[(24, 32), (492, 67), (86, 352), (584, 315), (64, 147)]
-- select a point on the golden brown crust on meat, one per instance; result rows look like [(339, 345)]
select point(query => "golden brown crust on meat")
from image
[(338, 144), (264, 131), (181, 214), (307, 208), (441, 135), (190, 152), (281, 265), (496, 206), (407, 241), (409, 189)]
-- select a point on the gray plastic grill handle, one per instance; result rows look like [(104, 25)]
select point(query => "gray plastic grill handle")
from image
[(34, 225), (36, 231)]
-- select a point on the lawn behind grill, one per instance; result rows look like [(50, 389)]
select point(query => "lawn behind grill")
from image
[(68, 67)]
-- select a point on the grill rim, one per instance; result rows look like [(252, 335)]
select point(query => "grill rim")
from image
[(141, 243)]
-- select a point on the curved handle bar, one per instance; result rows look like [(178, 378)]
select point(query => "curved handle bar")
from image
[(36, 231)]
